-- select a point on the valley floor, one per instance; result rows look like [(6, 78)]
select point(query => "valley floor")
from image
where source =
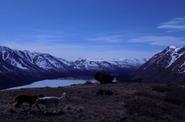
[(131, 102)]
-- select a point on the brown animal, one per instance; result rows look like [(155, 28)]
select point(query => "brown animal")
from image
[(26, 99)]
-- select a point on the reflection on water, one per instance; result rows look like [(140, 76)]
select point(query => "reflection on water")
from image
[(53, 83)]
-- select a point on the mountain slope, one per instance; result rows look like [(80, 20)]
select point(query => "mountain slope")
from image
[(22, 67), (166, 66)]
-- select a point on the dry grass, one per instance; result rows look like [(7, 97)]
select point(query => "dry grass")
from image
[(134, 102)]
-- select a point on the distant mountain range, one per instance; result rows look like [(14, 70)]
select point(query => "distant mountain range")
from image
[(167, 66), (22, 67)]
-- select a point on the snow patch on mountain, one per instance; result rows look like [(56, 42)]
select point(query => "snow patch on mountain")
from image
[(171, 59), (26, 60)]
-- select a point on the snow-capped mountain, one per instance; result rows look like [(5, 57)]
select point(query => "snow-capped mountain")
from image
[(33, 61), (84, 64), (20, 66), (166, 66)]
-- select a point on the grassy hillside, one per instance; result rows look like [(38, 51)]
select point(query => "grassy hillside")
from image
[(131, 102)]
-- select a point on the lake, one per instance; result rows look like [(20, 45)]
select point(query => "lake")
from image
[(53, 83)]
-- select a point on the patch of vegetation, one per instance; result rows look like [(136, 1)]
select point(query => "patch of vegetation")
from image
[(143, 109), (149, 94), (174, 94), (176, 97), (166, 88), (103, 77)]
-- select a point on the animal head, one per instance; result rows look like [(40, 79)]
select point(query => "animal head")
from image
[(41, 95)]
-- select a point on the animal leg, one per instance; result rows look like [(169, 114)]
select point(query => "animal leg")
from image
[(47, 108), (56, 108), (17, 105), (30, 105), (37, 105)]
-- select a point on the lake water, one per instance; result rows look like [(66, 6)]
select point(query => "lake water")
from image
[(52, 83)]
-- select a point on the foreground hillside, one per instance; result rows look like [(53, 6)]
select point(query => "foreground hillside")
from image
[(132, 102)]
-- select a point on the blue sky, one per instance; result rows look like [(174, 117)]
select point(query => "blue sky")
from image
[(92, 29)]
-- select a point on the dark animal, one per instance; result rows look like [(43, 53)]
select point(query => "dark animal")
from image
[(26, 99), (103, 77), (105, 92)]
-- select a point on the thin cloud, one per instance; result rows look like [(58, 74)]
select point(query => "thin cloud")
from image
[(47, 38), (158, 40), (69, 51), (108, 39), (174, 24)]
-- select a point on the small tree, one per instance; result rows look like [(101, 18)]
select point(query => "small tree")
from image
[(103, 77)]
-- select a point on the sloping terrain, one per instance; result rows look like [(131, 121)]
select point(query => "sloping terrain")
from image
[(134, 102), (22, 67), (166, 66)]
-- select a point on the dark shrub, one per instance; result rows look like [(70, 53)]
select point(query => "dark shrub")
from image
[(103, 77)]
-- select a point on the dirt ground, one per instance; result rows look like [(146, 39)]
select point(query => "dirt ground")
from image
[(131, 102)]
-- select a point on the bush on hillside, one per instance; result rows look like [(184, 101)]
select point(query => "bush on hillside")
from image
[(103, 77)]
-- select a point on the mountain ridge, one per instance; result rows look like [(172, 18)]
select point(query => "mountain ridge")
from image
[(165, 66), (20, 67)]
